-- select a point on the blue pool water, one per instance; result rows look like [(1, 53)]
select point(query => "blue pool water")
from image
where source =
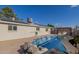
[(50, 42)]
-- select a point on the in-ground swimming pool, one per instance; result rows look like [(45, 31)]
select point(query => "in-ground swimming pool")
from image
[(50, 42)]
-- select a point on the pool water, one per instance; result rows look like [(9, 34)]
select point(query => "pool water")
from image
[(50, 42)]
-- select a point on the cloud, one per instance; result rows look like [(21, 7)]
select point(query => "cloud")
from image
[(74, 6)]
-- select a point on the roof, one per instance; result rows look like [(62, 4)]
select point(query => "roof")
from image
[(64, 28), (41, 25), (8, 20)]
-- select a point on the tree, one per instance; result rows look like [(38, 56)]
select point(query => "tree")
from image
[(50, 25), (0, 15), (76, 39), (8, 12)]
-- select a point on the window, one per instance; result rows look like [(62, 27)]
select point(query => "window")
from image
[(9, 27), (37, 28), (12, 27)]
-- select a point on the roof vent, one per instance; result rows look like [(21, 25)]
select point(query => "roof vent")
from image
[(13, 18), (29, 20)]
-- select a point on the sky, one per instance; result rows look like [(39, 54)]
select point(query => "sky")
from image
[(58, 15)]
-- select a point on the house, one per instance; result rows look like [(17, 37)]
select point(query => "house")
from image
[(62, 30), (12, 29)]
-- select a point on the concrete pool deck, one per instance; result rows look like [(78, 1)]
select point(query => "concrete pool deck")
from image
[(11, 46), (69, 47)]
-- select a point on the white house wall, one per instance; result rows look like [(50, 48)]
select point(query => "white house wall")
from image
[(22, 32), (42, 31)]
